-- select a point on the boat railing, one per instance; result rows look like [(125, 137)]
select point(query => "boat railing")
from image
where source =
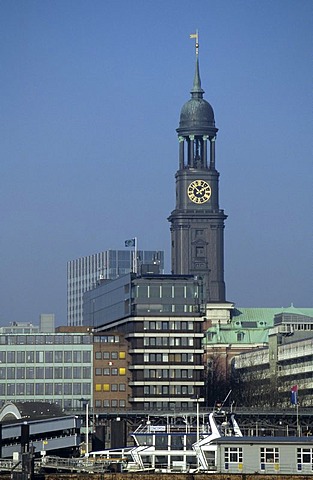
[(167, 429)]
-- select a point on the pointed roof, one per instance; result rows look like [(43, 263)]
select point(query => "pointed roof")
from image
[(197, 115), (197, 91)]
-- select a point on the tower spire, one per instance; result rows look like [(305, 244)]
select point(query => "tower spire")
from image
[(197, 91)]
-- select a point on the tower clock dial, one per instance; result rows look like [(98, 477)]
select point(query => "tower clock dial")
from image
[(199, 191)]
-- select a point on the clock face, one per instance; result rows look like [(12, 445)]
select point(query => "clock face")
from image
[(199, 191)]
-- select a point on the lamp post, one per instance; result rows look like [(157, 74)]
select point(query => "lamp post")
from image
[(85, 402), (198, 420)]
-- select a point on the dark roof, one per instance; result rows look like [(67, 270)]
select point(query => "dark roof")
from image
[(31, 410)]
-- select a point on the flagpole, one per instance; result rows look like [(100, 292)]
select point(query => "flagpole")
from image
[(135, 257)]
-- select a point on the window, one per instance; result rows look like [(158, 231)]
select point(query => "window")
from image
[(77, 389), (268, 455), (86, 372), (98, 371), (11, 357), (30, 357), (67, 357), (86, 357), (11, 389), (114, 355), (122, 371), (49, 372), (77, 357), (122, 355), (20, 372), (48, 357), (304, 456), (199, 251), (122, 403), (98, 355), (98, 403), (240, 336), (39, 357), (67, 388), (106, 371), (114, 371), (68, 372), (233, 455), (106, 387), (98, 387), (122, 387), (39, 389), (58, 372), (20, 357), (77, 372), (106, 403), (48, 388), (114, 387), (40, 372), (114, 403), (106, 355), (58, 356), (58, 389)]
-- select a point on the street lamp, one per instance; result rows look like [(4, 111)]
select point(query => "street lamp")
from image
[(85, 402)]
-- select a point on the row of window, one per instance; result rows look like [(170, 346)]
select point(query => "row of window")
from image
[(58, 356), (107, 387), (172, 373), (168, 390), (10, 389), (268, 455), (12, 373), (106, 339), (165, 291), (110, 355), (168, 342), (110, 371), (212, 335), (162, 308), (168, 357), (40, 339), (113, 387), (110, 403), (168, 325)]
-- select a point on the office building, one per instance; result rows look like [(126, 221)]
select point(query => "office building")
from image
[(266, 375), (160, 317), (84, 273), (48, 367)]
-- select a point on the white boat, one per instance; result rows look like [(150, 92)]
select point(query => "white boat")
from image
[(173, 446)]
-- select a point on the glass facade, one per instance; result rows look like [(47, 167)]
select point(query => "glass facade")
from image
[(83, 274), (46, 367)]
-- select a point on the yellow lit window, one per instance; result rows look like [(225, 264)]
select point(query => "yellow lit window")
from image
[(122, 355), (98, 387), (106, 387), (122, 371)]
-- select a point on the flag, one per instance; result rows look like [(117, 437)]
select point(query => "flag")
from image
[(193, 35), (294, 395), (130, 243)]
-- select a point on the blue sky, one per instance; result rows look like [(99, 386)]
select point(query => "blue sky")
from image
[(91, 93)]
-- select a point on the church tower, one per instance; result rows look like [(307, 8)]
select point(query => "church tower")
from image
[(197, 223)]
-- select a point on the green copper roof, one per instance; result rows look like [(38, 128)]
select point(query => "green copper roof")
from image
[(249, 325)]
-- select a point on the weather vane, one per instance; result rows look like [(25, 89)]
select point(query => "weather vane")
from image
[(196, 37)]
